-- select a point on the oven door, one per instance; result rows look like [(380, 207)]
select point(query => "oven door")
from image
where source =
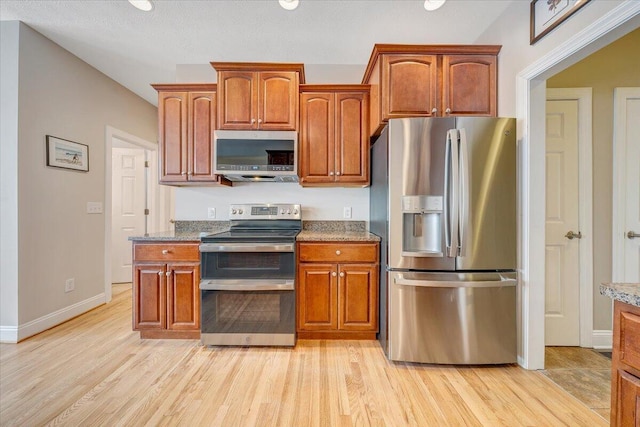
[(247, 312), (233, 261)]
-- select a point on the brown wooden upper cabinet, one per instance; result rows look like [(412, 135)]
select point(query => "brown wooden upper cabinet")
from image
[(334, 140), (186, 120), (258, 96), (431, 81)]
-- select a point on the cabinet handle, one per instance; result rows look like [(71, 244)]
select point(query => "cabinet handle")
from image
[(165, 251), (342, 274), (447, 111), (338, 252), (434, 111), (333, 274)]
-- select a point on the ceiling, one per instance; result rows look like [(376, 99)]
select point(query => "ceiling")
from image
[(137, 48)]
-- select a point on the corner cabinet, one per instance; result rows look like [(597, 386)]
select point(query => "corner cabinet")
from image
[(166, 295), (258, 96), (337, 290), (431, 81), (334, 141), (625, 366), (186, 121)]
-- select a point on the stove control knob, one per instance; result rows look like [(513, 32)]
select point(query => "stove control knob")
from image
[(281, 211), (240, 211), (295, 211), (288, 211), (233, 211)]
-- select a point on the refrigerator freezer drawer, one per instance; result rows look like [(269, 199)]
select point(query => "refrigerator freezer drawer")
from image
[(452, 318)]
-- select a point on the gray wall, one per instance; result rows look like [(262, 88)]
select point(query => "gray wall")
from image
[(60, 95)]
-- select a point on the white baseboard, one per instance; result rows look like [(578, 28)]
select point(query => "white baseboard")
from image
[(13, 334), (603, 339)]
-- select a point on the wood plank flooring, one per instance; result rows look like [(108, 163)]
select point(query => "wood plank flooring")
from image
[(93, 370)]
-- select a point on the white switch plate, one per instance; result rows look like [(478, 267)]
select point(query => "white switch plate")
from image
[(69, 285), (211, 213), (94, 207), (347, 212)]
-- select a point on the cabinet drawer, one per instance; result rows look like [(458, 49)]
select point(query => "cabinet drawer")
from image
[(338, 252), (166, 252), (630, 339)]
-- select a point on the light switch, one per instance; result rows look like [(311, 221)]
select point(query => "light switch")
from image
[(94, 207), (211, 213)]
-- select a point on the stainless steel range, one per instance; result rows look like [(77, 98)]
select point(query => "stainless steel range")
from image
[(247, 286)]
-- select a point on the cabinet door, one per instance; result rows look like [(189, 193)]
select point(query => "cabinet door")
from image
[(469, 85), (628, 403), (149, 296), (202, 122), (409, 86), (317, 138), (238, 100), (352, 142), (358, 297), (278, 100), (172, 136), (183, 296), (317, 297)]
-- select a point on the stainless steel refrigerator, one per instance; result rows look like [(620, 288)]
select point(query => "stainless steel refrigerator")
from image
[(443, 200)]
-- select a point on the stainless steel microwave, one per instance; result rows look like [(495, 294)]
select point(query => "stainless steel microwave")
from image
[(246, 155)]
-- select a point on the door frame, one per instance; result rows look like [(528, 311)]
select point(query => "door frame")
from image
[(530, 111), (160, 207), (620, 95), (585, 211)]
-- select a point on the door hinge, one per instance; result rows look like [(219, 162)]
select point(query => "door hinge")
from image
[(146, 163), (146, 211)]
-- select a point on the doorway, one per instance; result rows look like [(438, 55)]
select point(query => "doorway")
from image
[(158, 200), (568, 223)]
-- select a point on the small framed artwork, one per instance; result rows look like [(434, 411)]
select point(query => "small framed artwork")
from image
[(546, 15), (62, 153)]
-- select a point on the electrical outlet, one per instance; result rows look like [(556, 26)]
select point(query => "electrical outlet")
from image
[(347, 212), (211, 213), (70, 285), (94, 207)]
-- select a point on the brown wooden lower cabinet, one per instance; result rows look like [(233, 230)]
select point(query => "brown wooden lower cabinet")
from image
[(166, 297), (337, 293), (625, 366)]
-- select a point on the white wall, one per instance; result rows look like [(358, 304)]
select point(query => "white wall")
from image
[(60, 95), (9, 42)]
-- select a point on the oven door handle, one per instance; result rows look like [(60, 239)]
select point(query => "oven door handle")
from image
[(246, 247), (247, 285)]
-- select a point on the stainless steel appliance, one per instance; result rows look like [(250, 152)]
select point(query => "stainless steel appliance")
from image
[(443, 200), (247, 287), (256, 155)]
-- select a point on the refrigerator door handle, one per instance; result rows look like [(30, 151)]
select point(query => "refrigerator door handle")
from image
[(401, 280), (452, 194), (447, 199), (463, 220)]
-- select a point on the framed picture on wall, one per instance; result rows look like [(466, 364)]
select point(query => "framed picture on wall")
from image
[(62, 153), (546, 15)]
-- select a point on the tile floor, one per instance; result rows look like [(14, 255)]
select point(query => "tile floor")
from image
[(583, 373)]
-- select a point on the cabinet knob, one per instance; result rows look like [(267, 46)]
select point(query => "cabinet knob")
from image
[(165, 251), (168, 273), (331, 173), (342, 274), (259, 120), (434, 111), (253, 120), (447, 111), (337, 173), (183, 173), (159, 273), (338, 252), (334, 274)]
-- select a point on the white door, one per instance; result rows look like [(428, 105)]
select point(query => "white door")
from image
[(562, 272), (626, 188), (128, 208)]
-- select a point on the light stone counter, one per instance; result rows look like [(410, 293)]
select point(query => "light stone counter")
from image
[(625, 292)]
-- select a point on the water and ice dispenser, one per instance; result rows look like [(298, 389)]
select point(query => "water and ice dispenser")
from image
[(422, 226)]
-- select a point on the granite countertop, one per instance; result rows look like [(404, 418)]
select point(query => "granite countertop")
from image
[(625, 292), (185, 231), (339, 236)]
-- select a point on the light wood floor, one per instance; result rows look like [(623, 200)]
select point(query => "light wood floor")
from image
[(93, 370)]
